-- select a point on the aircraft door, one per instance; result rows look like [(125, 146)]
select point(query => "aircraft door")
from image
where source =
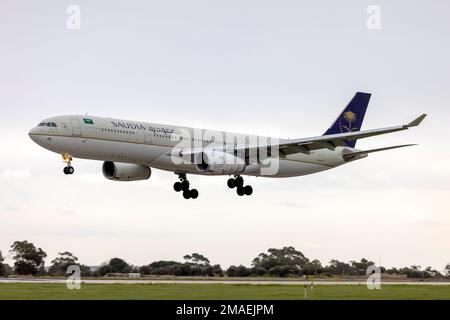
[(148, 137), (76, 128)]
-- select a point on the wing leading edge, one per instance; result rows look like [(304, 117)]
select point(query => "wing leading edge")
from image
[(331, 141)]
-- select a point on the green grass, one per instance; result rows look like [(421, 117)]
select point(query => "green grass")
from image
[(217, 291)]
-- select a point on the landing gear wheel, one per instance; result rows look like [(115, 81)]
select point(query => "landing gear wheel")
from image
[(67, 159), (68, 170), (194, 193), (177, 186), (185, 185), (239, 181), (231, 183), (186, 194)]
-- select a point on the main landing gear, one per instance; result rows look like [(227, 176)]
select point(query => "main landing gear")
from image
[(183, 185), (238, 183), (67, 159)]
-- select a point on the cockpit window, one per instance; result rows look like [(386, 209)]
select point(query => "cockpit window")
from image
[(47, 124)]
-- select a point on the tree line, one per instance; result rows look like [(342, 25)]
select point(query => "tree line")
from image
[(284, 262)]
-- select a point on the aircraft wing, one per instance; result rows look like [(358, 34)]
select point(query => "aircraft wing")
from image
[(304, 145)]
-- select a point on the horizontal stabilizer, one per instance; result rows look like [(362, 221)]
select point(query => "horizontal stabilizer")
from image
[(350, 156)]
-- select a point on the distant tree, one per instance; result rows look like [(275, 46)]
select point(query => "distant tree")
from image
[(285, 257), (284, 271), (259, 271), (432, 272), (62, 262), (216, 270), (238, 271), (119, 266), (243, 271), (145, 270), (361, 267), (393, 270), (2, 267), (28, 258), (181, 269), (85, 271), (168, 268), (313, 267), (196, 258), (195, 265), (8, 270), (65, 259), (336, 267), (163, 264), (104, 269), (115, 265), (447, 270), (415, 271)]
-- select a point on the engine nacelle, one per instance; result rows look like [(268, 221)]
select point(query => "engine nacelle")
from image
[(219, 162), (125, 171)]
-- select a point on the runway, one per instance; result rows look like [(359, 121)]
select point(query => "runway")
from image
[(248, 282)]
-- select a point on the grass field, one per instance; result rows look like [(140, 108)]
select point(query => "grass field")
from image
[(36, 291)]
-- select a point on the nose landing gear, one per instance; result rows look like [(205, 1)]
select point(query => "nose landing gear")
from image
[(67, 159), (183, 185), (238, 183)]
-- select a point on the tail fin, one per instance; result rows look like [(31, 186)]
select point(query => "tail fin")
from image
[(351, 118)]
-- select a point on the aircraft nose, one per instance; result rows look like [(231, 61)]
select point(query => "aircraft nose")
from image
[(33, 134)]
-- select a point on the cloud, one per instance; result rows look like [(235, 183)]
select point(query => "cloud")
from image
[(15, 174), (67, 212), (293, 204), (91, 177)]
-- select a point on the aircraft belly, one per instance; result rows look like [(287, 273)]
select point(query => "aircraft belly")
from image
[(106, 150), (159, 156), (290, 168)]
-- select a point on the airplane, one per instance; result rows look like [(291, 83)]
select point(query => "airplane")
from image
[(130, 149)]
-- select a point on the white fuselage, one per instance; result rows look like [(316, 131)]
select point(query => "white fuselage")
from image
[(152, 145)]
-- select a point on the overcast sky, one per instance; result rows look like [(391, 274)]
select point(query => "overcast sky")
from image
[(283, 68)]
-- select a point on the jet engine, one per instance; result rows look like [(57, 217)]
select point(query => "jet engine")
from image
[(125, 171), (219, 162)]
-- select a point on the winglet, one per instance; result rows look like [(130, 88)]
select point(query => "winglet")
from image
[(416, 121)]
